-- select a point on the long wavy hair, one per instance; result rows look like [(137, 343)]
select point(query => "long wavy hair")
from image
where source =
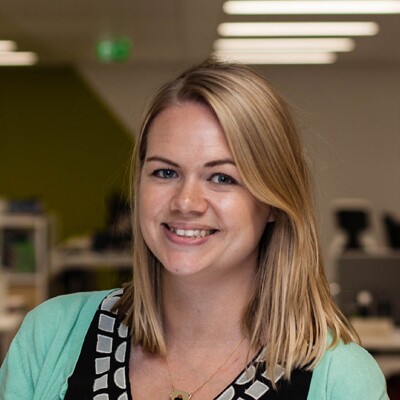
[(291, 314)]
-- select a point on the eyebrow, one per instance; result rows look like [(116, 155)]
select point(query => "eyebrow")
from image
[(209, 164), (162, 159), (220, 162)]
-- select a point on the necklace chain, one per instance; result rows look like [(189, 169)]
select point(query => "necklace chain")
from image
[(180, 394)]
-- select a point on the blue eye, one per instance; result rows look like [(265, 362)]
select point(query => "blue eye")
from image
[(164, 173), (223, 179)]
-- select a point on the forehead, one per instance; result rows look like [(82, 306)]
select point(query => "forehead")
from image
[(190, 126)]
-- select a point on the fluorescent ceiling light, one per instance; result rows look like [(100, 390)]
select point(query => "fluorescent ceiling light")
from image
[(312, 7), (277, 58), (298, 29), (7, 45), (18, 58), (292, 44)]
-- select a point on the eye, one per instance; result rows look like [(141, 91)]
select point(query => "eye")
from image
[(223, 179), (164, 173)]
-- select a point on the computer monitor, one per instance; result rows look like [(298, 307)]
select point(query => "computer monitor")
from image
[(377, 274)]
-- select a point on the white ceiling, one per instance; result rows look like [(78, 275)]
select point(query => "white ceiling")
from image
[(66, 31), (162, 31)]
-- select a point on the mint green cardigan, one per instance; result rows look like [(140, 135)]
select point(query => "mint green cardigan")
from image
[(44, 353)]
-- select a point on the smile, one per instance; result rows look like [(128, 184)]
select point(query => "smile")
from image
[(191, 233)]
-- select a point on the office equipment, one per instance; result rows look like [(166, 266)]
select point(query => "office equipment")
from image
[(24, 250), (377, 274)]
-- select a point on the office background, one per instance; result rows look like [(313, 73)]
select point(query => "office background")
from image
[(67, 126), (69, 120)]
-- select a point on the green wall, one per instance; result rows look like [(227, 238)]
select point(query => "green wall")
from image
[(59, 142)]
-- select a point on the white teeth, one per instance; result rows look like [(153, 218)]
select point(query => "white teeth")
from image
[(190, 232)]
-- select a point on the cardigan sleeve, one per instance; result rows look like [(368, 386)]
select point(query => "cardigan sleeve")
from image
[(16, 376), (44, 352), (348, 372)]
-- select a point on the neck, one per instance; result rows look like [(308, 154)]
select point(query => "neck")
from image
[(197, 312)]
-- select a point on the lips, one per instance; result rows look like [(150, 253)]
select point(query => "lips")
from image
[(190, 233)]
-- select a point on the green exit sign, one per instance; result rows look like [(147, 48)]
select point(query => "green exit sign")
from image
[(114, 50)]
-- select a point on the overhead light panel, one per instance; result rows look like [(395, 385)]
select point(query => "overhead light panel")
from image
[(287, 44), (246, 29), (18, 58), (7, 45), (311, 7), (277, 58)]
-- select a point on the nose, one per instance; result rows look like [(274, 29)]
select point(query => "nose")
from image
[(189, 198)]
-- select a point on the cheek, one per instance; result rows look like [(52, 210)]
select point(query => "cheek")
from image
[(146, 223), (258, 217), (147, 197), (264, 215), (152, 202), (253, 211), (145, 209)]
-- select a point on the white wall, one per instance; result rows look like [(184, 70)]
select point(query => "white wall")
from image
[(126, 90), (349, 118)]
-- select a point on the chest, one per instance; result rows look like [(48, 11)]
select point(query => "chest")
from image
[(109, 367), (150, 377)]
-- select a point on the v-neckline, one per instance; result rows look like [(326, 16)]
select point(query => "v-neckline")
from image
[(250, 369)]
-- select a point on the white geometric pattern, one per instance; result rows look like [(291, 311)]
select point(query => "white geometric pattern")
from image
[(102, 396), (279, 371), (251, 384), (100, 383), (102, 365), (247, 375), (108, 303), (123, 331), (105, 345), (111, 371), (120, 353), (227, 395), (119, 378), (257, 389), (106, 323)]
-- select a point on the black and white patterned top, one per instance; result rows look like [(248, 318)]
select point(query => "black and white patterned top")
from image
[(102, 370)]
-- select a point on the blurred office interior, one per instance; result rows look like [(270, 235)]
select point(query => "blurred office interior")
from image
[(68, 122)]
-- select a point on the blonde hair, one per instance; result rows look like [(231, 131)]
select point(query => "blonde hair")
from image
[(291, 314)]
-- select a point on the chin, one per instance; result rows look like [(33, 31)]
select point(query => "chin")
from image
[(179, 269)]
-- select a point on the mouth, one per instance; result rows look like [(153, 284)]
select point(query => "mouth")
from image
[(190, 233)]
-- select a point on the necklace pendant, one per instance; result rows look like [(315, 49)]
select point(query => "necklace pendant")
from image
[(179, 395)]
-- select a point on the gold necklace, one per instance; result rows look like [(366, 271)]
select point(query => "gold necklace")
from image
[(177, 394)]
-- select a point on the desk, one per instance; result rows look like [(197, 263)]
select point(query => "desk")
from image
[(62, 260), (72, 270), (9, 324), (383, 343)]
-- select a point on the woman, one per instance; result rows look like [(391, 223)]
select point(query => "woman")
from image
[(229, 298)]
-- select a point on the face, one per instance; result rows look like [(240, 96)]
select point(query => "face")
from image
[(196, 215)]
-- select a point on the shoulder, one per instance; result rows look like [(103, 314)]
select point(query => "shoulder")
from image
[(75, 302), (48, 344), (348, 371), (64, 310), (351, 358), (67, 306)]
